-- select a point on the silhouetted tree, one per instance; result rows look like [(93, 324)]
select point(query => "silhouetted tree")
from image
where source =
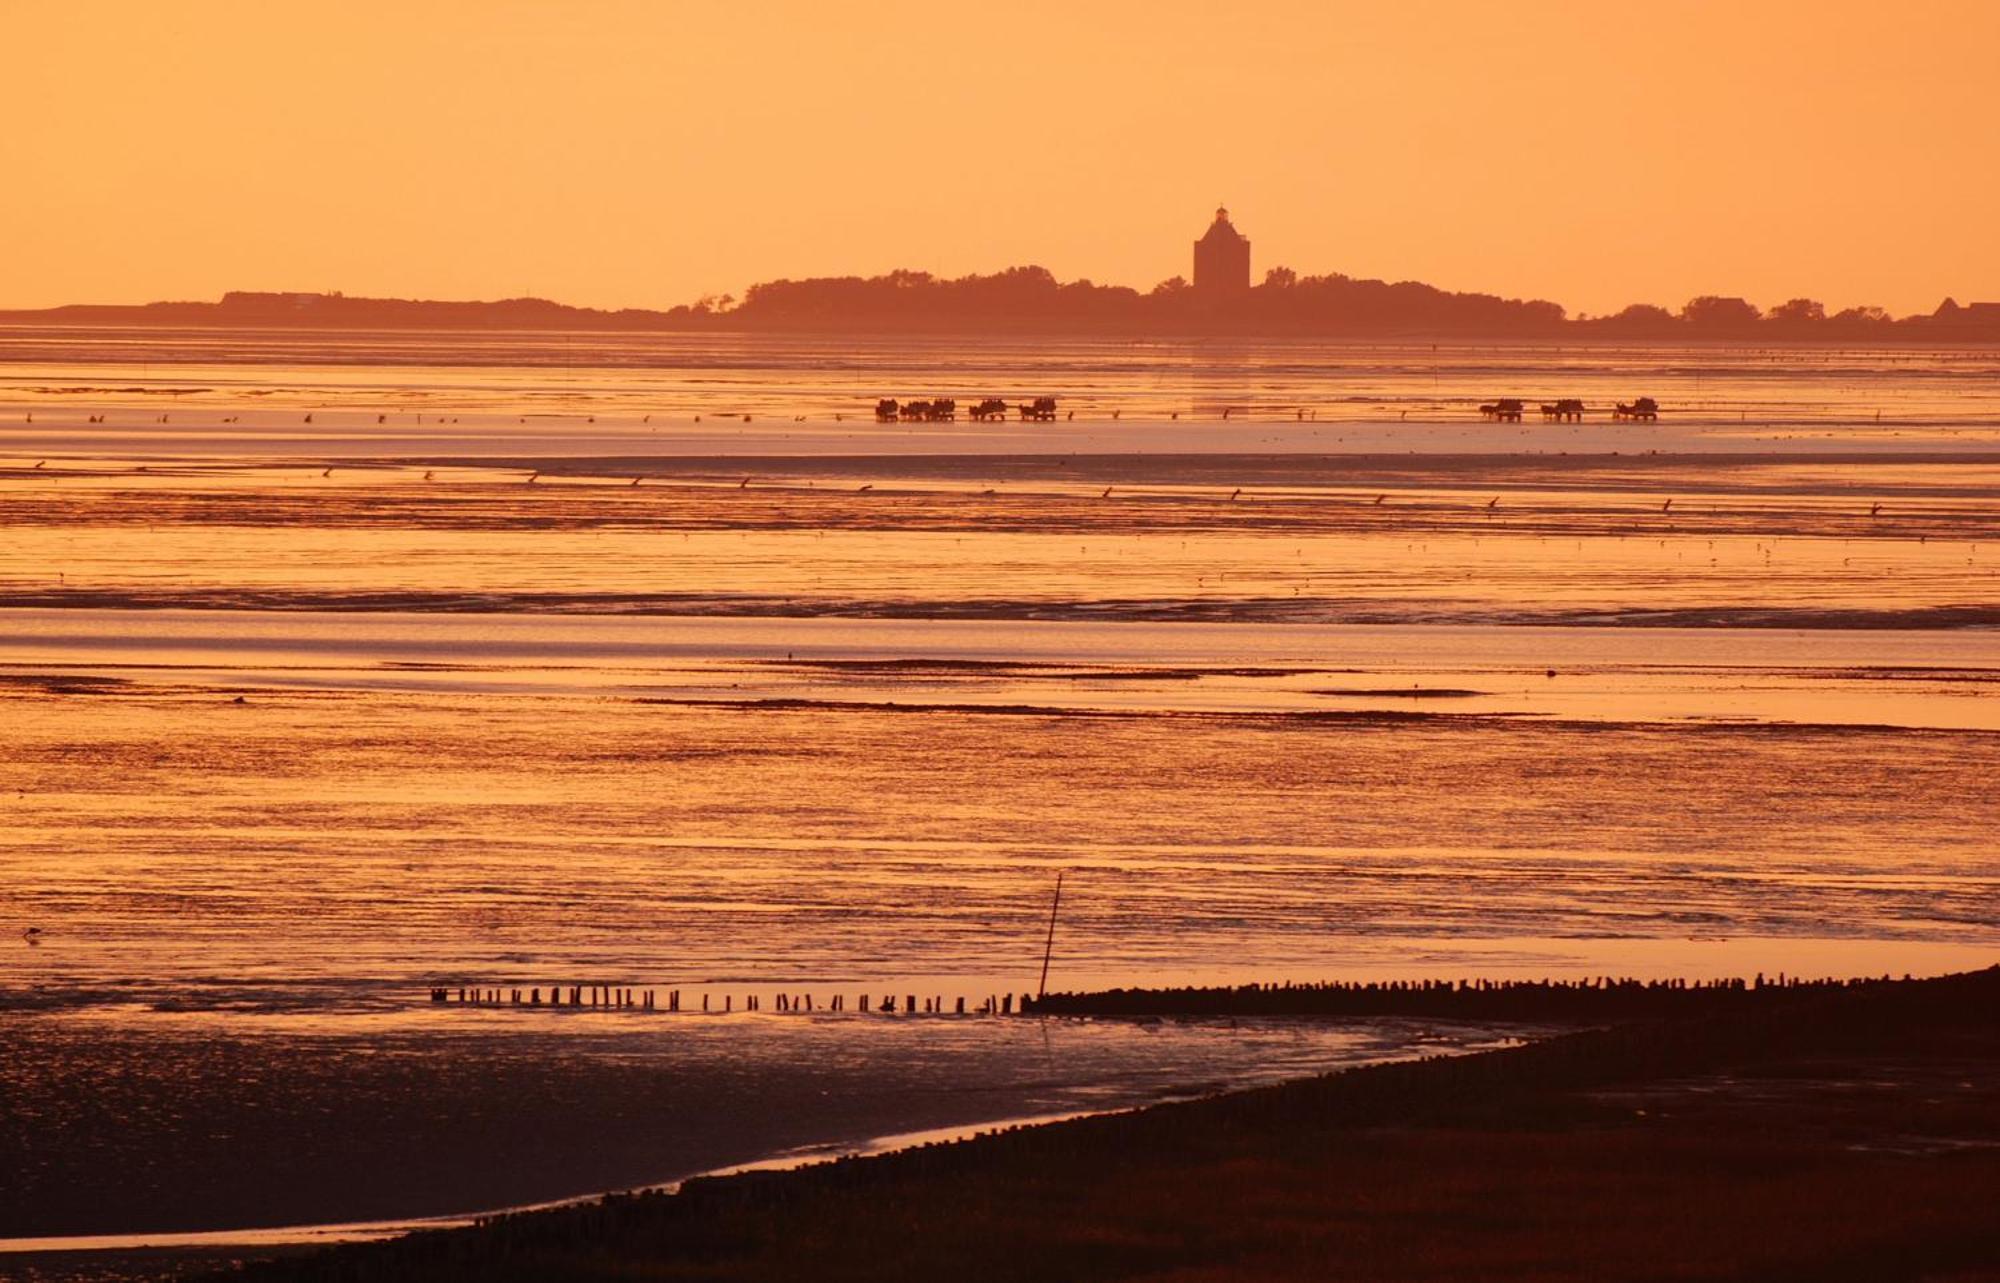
[(1281, 278), (1798, 311), (1714, 312), (1646, 316)]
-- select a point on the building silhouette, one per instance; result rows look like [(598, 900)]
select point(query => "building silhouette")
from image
[(1222, 258)]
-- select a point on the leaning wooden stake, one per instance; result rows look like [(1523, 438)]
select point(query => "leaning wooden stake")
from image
[(1049, 946)]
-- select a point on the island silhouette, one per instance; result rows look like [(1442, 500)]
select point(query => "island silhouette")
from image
[(1220, 300), (1030, 300)]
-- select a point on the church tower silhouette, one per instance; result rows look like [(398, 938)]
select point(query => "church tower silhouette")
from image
[(1222, 258)]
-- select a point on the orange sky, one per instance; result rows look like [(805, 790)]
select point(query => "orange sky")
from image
[(636, 153)]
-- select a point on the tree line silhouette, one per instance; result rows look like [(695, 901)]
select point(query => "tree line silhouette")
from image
[(1032, 300)]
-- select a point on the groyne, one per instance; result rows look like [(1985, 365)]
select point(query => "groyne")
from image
[(1589, 1000)]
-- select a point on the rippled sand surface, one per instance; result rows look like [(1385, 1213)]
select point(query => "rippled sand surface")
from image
[(533, 661), (350, 807)]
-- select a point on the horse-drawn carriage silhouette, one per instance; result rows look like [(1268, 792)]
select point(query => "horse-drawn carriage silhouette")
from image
[(940, 410), (1568, 408), (945, 410), (1644, 408), (1503, 411)]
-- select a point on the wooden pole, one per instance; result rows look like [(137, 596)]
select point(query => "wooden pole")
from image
[(1049, 946)]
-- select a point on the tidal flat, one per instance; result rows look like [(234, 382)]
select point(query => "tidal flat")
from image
[(332, 675)]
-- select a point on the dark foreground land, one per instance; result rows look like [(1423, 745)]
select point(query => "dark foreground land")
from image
[(1842, 1133)]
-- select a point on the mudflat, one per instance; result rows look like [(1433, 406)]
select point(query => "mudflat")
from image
[(1850, 1134)]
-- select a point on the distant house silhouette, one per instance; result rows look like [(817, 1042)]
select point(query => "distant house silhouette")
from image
[(1950, 312), (1222, 258)]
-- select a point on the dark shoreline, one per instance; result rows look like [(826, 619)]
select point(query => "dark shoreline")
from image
[(1586, 1001), (1831, 1132)]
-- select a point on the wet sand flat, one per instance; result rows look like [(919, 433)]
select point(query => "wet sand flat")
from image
[(172, 1125), (338, 668), (355, 830), (1792, 542)]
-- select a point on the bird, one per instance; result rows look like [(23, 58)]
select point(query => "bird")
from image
[(532, 477), (1235, 493), (327, 473), (1106, 494), (637, 480), (429, 475), (988, 492), (1493, 503), (865, 489), (1379, 500), (43, 463), (743, 484), (1668, 504), (309, 418), (1873, 511)]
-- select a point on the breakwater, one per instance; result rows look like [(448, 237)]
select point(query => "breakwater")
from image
[(634, 998), (1589, 999)]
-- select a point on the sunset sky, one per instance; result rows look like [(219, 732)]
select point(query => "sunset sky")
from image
[(618, 153)]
